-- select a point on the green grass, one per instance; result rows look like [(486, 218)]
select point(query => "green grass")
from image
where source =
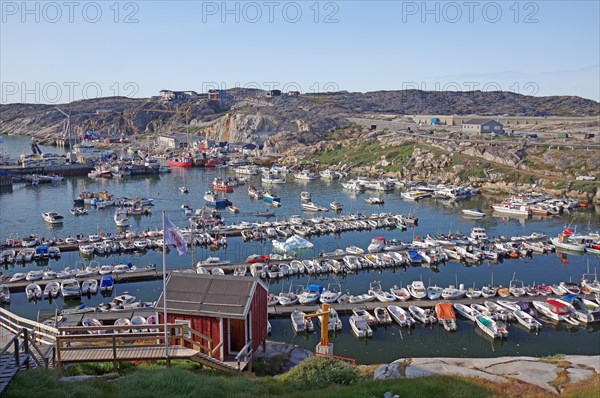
[(366, 154), (145, 382), (586, 186)]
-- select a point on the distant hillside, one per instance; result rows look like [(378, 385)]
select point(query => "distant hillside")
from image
[(248, 115)]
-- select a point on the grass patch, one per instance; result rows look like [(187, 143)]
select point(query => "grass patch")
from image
[(366, 154), (586, 186)]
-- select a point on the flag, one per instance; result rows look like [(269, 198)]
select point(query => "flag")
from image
[(173, 236)]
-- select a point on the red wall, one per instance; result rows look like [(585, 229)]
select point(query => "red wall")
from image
[(258, 310), (208, 326)]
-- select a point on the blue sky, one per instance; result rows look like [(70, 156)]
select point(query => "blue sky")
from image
[(52, 53)]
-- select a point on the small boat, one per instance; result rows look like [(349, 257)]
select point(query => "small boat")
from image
[(92, 322), (33, 291), (491, 327), (183, 190), (473, 212), (4, 294), (360, 298), (380, 294), (401, 317), (212, 261), (570, 287), (422, 315), (374, 200), (354, 250), (305, 196), (400, 293), (516, 287), (265, 214), (122, 324), (18, 276), (257, 258), (552, 309), (371, 320), (434, 292), (87, 250), (240, 270), (360, 327), (89, 287), (52, 290), (488, 291), (34, 275), (138, 321), (233, 209), (310, 206), (306, 175), (527, 320), (331, 294), (53, 217), (336, 206), (417, 290), (106, 283), (180, 162), (70, 288), (466, 311), (562, 242), (300, 323), (445, 315), (257, 270), (78, 211), (334, 323), (310, 295), (382, 315)]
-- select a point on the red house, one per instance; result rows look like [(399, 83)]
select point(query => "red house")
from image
[(225, 312)]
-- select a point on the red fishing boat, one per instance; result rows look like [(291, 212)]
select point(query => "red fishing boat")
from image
[(223, 185), (179, 162)]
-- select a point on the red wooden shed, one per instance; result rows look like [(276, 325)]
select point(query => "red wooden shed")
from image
[(231, 311)]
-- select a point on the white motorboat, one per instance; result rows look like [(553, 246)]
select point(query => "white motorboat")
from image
[(18, 276), (121, 219), (310, 295), (380, 294), (360, 327), (183, 190), (334, 323), (562, 242), (354, 250), (473, 293), (331, 294), (89, 287), (377, 244), (400, 293), (4, 294), (516, 287), (371, 320), (52, 290), (527, 320), (306, 175), (70, 288), (34, 275), (590, 284), (247, 170), (330, 175), (257, 270), (33, 291), (473, 212), (491, 327), (52, 217), (217, 271), (552, 309), (488, 291), (353, 185), (467, 311), (424, 316), (310, 206), (401, 317), (452, 293), (570, 288), (305, 196), (382, 315), (336, 206), (478, 234), (300, 323), (512, 209), (434, 292), (446, 317), (374, 200), (360, 298), (87, 249), (417, 290)]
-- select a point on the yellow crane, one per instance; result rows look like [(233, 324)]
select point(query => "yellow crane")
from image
[(323, 346)]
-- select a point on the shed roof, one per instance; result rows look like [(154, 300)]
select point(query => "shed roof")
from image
[(480, 121), (209, 295)]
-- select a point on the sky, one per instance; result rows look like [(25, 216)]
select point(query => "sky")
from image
[(59, 51)]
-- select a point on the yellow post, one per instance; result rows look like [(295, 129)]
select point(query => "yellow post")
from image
[(325, 325)]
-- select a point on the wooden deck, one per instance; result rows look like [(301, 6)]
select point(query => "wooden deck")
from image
[(131, 353)]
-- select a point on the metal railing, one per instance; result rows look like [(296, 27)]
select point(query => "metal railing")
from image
[(245, 355), (352, 361)]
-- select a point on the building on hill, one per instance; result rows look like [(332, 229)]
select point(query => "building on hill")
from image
[(230, 312), (482, 126)]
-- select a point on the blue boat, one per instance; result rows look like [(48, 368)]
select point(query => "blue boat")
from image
[(414, 256), (41, 252), (271, 197), (211, 199), (106, 283)]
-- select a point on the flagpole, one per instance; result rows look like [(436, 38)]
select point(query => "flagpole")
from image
[(164, 270)]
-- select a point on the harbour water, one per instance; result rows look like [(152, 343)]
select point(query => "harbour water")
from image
[(20, 213)]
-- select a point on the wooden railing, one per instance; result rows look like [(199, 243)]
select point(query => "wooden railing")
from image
[(29, 347), (39, 333), (244, 355)]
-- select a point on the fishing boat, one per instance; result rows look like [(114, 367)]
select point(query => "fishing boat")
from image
[(382, 315), (106, 283), (300, 323), (52, 217), (473, 213), (512, 209), (180, 162), (222, 184), (360, 327), (527, 320), (51, 290), (212, 200), (562, 242), (491, 327), (401, 317), (33, 291), (4, 294), (445, 315)]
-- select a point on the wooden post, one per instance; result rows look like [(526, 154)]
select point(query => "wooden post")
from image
[(114, 347), (16, 348), (26, 342)]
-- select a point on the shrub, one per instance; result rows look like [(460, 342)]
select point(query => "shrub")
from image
[(321, 371)]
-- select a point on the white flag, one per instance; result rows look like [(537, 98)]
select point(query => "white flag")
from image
[(172, 236)]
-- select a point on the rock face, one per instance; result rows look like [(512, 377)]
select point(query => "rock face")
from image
[(280, 122)]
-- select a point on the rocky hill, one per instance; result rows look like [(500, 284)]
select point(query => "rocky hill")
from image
[(245, 115)]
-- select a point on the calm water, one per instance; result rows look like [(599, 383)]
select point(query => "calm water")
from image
[(20, 213)]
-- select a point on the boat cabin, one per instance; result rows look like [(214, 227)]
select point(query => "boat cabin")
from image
[(231, 311), (558, 308)]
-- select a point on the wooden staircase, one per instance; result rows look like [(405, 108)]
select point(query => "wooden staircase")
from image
[(9, 366), (214, 363)]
